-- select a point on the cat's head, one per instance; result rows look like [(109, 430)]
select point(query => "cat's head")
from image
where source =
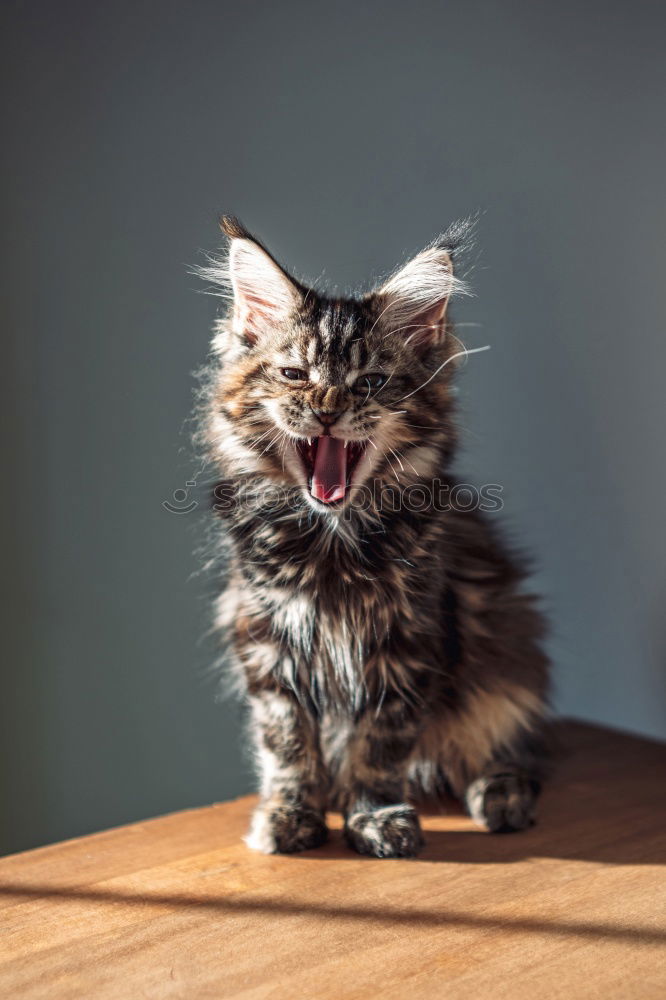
[(332, 394)]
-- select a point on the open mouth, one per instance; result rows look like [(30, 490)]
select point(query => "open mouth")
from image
[(329, 463)]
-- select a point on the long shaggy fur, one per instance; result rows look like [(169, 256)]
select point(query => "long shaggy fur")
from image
[(386, 648)]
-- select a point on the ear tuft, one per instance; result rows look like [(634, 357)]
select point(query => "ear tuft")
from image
[(458, 239), (233, 228)]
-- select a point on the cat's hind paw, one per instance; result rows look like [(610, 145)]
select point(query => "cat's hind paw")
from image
[(388, 832), (285, 830), (503, 803)]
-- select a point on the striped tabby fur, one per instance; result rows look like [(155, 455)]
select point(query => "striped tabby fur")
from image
[(386, 649)]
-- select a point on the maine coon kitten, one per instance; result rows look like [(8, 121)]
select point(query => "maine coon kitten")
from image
[(382, 640)]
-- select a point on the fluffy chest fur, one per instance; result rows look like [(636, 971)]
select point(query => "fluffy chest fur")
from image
[(347, 613)]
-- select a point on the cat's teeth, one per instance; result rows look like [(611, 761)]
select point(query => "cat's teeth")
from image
[(309, 440), (345, 444)]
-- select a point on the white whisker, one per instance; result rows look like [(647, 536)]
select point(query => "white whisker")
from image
[(459, 354), (397, 459)]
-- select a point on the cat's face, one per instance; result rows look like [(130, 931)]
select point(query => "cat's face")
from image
[(331, 395)]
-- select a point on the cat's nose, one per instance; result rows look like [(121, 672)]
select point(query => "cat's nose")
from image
[(326, 416)]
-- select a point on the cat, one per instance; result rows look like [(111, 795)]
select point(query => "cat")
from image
[(382, 641)]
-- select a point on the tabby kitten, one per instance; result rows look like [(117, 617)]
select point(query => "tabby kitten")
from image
[(382, 641)]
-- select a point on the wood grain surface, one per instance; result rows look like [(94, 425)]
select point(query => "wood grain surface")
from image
[(179, 907)]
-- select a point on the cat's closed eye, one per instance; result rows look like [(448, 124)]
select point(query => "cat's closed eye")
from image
[(295, 374), (366, 383)]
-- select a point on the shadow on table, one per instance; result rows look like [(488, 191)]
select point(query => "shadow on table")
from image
[(382, 913)]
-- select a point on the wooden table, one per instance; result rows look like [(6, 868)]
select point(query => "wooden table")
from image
[(179, 907)]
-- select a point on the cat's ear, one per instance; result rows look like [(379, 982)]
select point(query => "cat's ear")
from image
[(414, 300), (264, 295)]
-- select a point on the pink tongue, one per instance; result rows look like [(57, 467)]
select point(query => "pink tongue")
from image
[(329, 478)]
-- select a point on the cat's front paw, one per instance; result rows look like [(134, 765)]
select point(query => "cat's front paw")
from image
[(286, 830), (503, 802), (388, 832)]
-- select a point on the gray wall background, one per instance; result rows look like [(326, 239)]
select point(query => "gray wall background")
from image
[(346, 135)]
